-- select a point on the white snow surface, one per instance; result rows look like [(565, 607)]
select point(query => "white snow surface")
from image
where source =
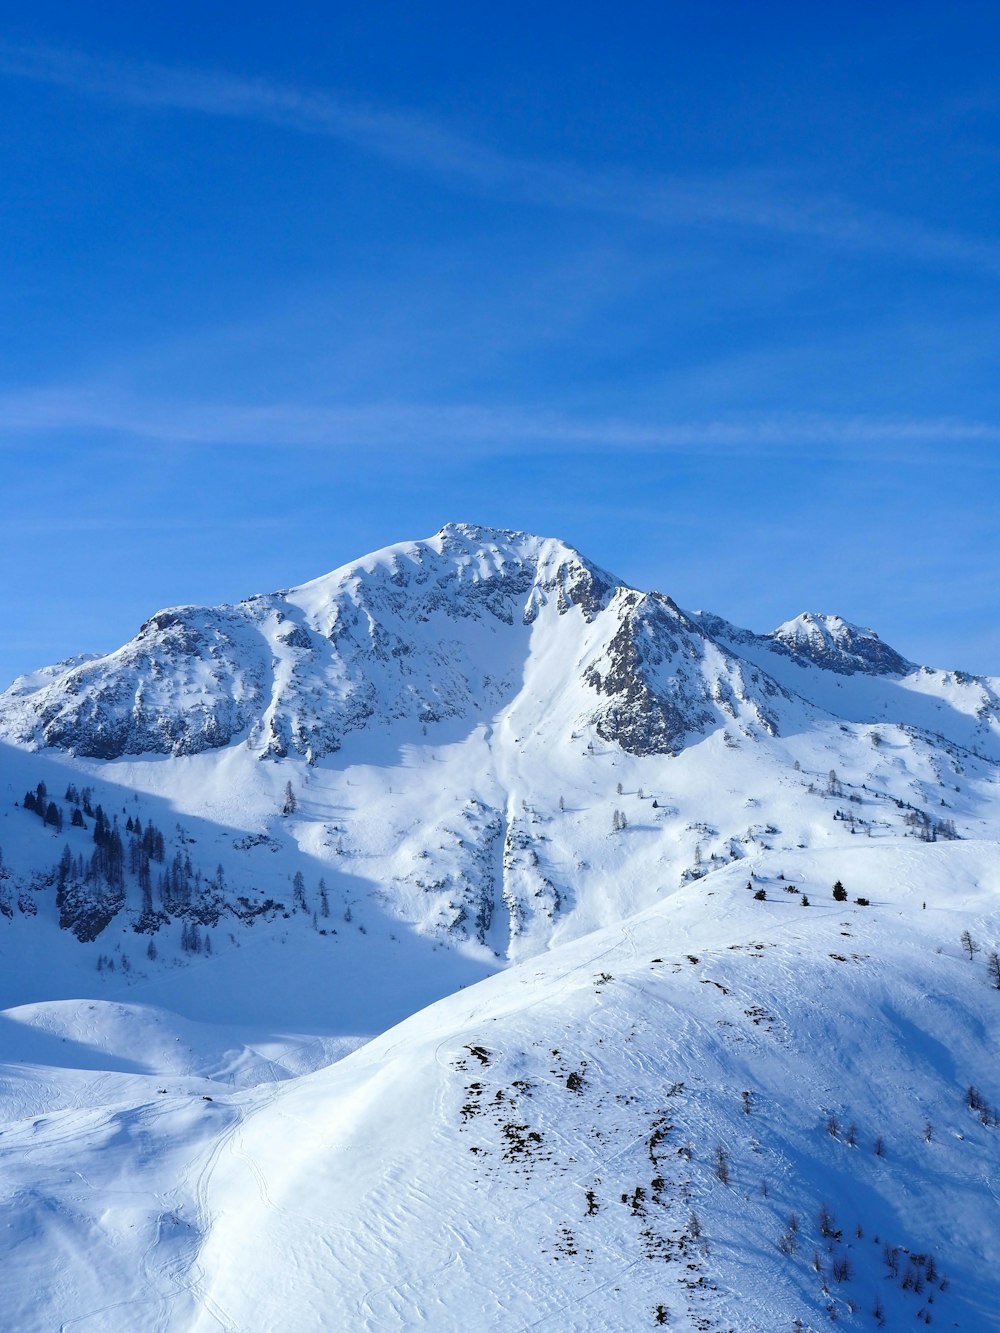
[(485, 1064)]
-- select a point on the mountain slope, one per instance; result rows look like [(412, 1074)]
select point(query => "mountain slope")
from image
[(454, 719), (613, 1136), (631, 1123)]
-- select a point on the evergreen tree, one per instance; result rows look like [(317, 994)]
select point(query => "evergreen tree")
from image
[(299, 892), (65, 867), (146, 887)]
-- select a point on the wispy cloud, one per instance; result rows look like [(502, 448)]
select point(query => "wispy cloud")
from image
[(49, 524), (425, 427), (422, 144)]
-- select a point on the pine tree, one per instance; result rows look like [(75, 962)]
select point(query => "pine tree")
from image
[(720, 1164), (299, 892), (290, 805), (65, 867), (839, 892)]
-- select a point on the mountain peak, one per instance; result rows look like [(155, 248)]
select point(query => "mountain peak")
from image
[(835, 643), (476, 532)]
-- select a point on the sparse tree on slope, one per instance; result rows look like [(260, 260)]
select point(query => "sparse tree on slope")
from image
[(299, 891)]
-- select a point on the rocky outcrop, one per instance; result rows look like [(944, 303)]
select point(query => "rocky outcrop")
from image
[(837, 645)]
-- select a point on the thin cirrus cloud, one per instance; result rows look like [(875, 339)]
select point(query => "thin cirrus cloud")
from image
[(422, 144), (424, 427)]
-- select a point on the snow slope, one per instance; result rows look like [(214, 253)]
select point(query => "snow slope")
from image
[(542, 1150)]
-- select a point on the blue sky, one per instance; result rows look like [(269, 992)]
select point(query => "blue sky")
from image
[(708, 290)]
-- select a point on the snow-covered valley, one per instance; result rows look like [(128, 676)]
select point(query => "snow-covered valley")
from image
[(451, 943)]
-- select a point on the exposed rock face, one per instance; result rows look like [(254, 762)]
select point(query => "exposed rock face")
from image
[(837, 645), (190, 680), (667, 682)]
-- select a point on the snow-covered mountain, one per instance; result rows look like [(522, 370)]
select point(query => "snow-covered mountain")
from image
[(480, 774), (454, 717), (455, 627)]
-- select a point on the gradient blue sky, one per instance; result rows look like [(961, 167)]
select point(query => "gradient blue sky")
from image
[(709, 290)]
